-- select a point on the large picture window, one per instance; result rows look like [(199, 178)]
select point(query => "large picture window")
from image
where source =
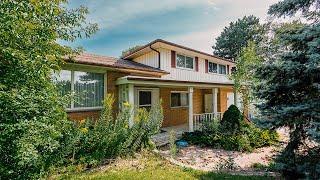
[(63, 83), (88, 88), (179, 99), (185, 62)]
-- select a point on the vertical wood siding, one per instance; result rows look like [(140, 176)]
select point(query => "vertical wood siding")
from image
[(181, 74)]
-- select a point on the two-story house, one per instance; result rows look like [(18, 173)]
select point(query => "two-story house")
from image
[(193, 85)]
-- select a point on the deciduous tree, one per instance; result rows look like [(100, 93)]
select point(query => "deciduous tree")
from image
[(32, 119)]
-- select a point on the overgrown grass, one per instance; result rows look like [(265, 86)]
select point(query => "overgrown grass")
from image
[(149, 166)]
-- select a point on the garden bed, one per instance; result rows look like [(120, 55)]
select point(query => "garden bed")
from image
[(211, 159)]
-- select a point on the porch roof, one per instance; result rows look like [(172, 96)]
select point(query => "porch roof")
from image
[(168, 82), (114, 64)]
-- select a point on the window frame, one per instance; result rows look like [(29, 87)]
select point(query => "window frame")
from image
[(225, 69), (180, 92), (218, 68), (209, 67), (145, 90), (185, 59), (72, 108)]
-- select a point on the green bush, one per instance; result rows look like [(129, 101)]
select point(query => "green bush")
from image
[(231, 120), (107, 138), (244, 137)]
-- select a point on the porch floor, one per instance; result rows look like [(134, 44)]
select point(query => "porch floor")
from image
[(162, 138)]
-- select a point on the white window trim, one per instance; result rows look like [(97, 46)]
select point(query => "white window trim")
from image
[(174, 107), (72, 108), (184, 68)]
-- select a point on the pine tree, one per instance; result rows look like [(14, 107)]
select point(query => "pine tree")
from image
[(289, 87)]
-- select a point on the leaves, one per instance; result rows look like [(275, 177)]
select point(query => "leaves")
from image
[(33, 123), (237, 35)]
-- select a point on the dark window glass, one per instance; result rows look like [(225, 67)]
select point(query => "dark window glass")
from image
[(212, 67), (179, 99), (144, 98), (189, 62)]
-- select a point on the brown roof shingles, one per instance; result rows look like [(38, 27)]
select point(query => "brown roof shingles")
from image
[(112, 62)]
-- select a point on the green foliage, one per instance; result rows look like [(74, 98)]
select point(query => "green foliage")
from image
[(231, 120), (237, 35), (244, 75), (33, 125), (172, 143), (233, 133), (130, 50), (108, 138), (153, 166), (227, 165), (288, 86)]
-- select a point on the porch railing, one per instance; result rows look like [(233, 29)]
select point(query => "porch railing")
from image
[(200, 120)]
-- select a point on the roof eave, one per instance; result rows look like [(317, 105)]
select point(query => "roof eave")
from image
[(121, 69), (129, 56)]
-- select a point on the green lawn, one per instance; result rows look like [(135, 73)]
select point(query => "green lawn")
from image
[(149, 167)]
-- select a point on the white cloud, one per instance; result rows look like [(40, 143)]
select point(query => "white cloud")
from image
[(109, 14), (203, 40)]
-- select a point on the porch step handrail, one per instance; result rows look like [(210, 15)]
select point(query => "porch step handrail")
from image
[(199, 120)]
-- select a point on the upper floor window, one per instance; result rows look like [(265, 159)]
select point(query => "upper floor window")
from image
[(222, 69), (213, 67), (185, 62), (217, 68), (88, 88)]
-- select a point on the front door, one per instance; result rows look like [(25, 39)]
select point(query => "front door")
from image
[(208, 103)]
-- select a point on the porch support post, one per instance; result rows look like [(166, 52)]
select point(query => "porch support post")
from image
[(131, 102), (190, 91), (235, 97), (215, 101)]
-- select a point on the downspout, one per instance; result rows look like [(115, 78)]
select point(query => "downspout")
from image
[(158, 55)]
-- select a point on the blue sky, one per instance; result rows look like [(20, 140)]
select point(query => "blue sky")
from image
[(193, 23)]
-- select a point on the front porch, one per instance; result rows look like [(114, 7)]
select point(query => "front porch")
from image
[(186, 106)]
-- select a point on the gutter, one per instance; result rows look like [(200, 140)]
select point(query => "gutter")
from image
[(158, 54)]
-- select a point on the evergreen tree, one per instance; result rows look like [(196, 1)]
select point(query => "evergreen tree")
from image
[(237, 35), (289, 87), (33, 122)]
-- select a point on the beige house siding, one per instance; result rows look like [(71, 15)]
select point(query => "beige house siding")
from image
[(151, 59)]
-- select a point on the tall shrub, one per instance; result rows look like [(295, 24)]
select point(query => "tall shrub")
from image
[(32, 120), (231, 120), (109, 137)]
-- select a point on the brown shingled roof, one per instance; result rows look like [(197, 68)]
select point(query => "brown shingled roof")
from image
[(112, 62)]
